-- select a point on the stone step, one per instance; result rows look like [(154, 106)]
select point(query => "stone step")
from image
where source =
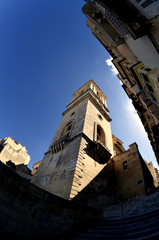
[(151, 233), (118, 225), (143, 203), (139, 217), (123, 231), (146, 229), (153, 236), (123, 228), (116, 236), (141, 226)]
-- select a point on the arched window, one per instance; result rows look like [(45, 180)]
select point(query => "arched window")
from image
[(100, 134), (67, 130)]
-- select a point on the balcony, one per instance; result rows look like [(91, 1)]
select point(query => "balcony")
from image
[(59, 145), (102, 152)]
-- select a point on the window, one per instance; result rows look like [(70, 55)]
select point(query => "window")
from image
[(140, 181), (125, 165), (1, 147), (100, 134), (145, 78), (81, 92), (153, 97), (147, 69), (147, 3), (11, 164), (100, 117), (67, 130)]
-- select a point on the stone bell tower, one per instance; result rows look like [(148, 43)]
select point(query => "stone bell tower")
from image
[(81, 147)]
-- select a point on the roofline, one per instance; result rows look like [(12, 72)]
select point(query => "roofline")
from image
[(91, 81)]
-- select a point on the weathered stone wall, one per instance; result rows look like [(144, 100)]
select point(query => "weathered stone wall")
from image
[(92, 117), (76, 114), (56, 171), (32, 213), (153, 172), (65, 171), (155, 31), (87, 168), (35, 167), (130, 180), (101, 191), (14, 151)]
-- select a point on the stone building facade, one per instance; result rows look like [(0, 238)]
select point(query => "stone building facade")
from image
[(15, 156), (125, 176), (129, 31), (28, 212), (11, 150), (86, 162), (81, 147), (154, 172), (35, 167), (132, 173)]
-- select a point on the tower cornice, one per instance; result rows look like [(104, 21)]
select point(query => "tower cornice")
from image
[(91, 81), (94, 99)]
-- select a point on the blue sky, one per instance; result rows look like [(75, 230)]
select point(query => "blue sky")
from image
[(46, 53)]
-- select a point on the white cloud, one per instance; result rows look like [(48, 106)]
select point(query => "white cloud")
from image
[(140, 135), (110, 64), (133, 117)]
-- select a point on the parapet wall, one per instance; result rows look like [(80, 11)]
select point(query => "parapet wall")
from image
[(29, 212)]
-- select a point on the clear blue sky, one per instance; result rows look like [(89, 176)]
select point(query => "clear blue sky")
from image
[(46, 53)]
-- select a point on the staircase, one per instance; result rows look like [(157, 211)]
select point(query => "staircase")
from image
[(145, 226), (141, 222), (145, 204)]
